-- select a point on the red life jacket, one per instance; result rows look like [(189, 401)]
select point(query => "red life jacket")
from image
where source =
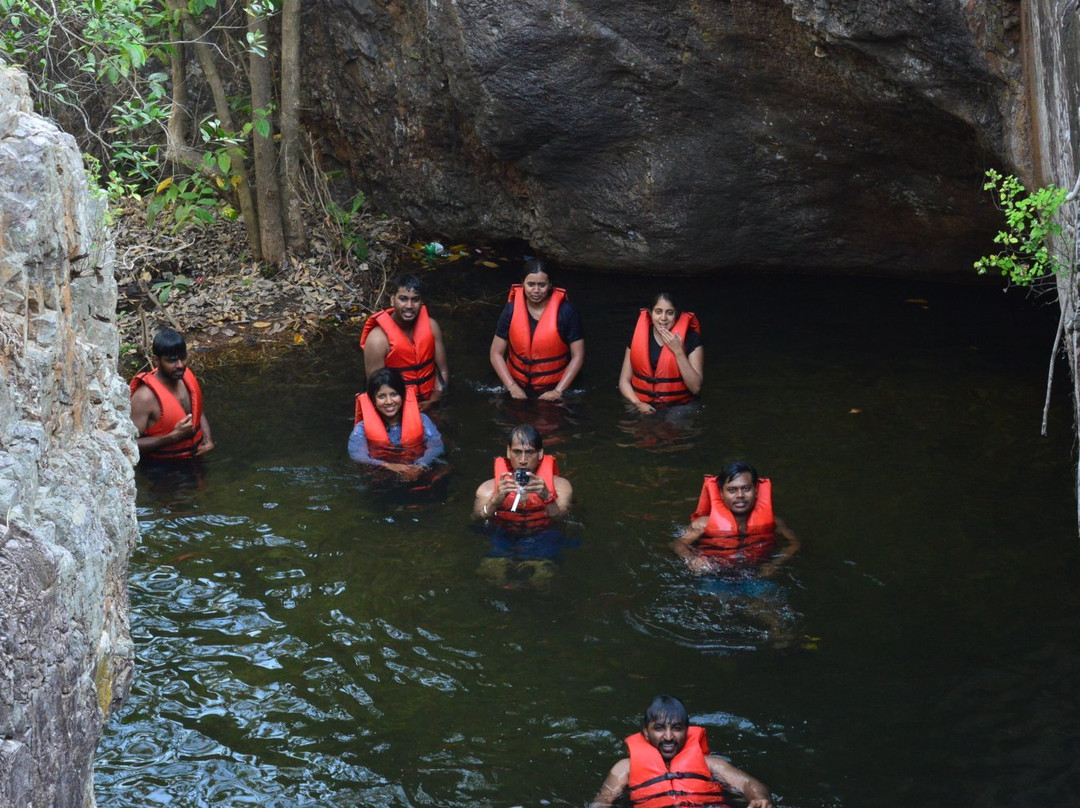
[(686, 781), (538, 358), (662, 386), (413, 357), (531, 515), (412, 429), (722, 538), (172, 412)]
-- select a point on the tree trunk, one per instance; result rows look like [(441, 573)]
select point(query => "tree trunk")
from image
[(178, 108), (295, 235), (265, 155), (248, 210)]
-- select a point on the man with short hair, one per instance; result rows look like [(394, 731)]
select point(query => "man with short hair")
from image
[(166, 404), (734, 524), (405, 338), (526, 492), (670, 765)]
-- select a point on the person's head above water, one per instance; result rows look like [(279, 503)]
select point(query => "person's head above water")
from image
[(408, 282), (536, 280), (408, 298), (524, 447), (738, 483), (663, 311), (388, 377), (734, 469), (664, 725), (664, 297), (535, 266), (168, 344)]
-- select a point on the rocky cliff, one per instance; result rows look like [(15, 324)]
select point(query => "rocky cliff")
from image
[(66, 482), (676, 135), (1052, 79)]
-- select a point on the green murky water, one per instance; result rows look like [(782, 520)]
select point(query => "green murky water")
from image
[(306, 639)]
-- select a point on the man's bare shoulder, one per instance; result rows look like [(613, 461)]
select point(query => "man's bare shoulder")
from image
[(143, 394), (622, 768)]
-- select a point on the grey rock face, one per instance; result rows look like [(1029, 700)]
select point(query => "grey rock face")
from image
[(677, 136), (1054, 74), (67, 488)]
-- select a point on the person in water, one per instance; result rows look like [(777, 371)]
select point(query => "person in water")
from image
[(538, 344), (405, 338), (526, 492), (734, 525), (167, 406), (670, 765), (390, 430), (664, 363)]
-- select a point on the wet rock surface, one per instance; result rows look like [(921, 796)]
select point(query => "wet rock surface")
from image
[(824, 134), (67, 489)]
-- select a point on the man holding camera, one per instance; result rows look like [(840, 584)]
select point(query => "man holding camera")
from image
[(526, 492)]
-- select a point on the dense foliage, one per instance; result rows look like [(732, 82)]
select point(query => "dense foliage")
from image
[(117, 75)]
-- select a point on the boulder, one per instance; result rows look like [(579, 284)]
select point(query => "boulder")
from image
[(664, 136)]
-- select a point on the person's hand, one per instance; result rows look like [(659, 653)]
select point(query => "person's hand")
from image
[(551, 395), (536, 485), (699, 564), (516, 391), (672, 340), (761, 802), (204, 447), (506, 486), (406, 471), (184, 428), (645, 409)]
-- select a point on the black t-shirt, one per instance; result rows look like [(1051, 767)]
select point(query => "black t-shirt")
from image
[(567, 323)]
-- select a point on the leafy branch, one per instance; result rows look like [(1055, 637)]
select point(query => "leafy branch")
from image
[(1031, 224)]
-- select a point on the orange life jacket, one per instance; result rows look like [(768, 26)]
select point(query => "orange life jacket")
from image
[(662, 386), (686, 781), (722, 537), (538, 358), (172, 412), (531, 515), (412, 429), (414, 357)]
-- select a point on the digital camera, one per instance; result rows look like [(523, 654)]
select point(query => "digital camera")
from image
[(521, 477)]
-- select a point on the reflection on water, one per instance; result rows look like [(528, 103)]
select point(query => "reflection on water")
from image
[(306, 636)]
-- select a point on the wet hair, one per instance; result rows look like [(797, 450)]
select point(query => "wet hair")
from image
[(391, 377), (168, 344), (527, 434), (734, 469), (664, 296), (665, 709), (408, 282), (534, 265)]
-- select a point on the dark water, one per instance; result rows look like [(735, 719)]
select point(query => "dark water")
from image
[(305, 639)]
